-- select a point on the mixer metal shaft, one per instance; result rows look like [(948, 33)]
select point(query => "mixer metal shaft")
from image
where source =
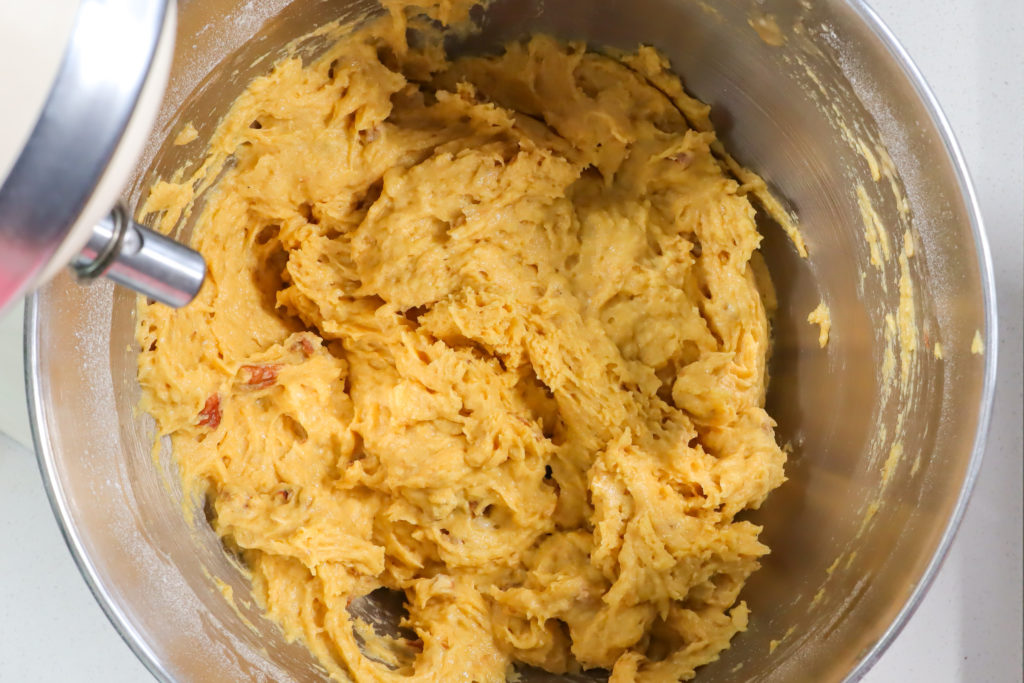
[(141, 259)]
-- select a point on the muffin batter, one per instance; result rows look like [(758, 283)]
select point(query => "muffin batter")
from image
[(488, 332)]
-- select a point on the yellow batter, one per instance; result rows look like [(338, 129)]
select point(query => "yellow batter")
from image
[(486, 332)]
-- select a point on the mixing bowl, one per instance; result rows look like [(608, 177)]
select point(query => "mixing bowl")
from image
[(886, 424)]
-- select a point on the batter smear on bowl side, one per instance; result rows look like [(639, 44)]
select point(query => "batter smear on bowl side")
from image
[(486, 332)]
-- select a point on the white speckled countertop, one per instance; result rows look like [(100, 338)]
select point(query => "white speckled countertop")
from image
[(968, 628)]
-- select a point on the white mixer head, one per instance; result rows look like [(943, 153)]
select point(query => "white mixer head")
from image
[(86, 78)]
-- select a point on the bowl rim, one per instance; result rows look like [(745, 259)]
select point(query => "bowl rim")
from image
[(133, 638)]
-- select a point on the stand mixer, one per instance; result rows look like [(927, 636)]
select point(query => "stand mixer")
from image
[(162, 580), (82, 83)]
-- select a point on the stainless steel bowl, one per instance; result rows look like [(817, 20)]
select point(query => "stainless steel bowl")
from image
[(855, 542)]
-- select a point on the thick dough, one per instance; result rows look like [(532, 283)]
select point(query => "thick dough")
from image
[(486, 332)]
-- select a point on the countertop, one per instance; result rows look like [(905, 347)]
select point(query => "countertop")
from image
[(969, 626)]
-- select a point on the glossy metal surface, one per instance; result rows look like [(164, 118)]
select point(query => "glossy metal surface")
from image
[(97, 88), (851, 553), (142, 260)]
